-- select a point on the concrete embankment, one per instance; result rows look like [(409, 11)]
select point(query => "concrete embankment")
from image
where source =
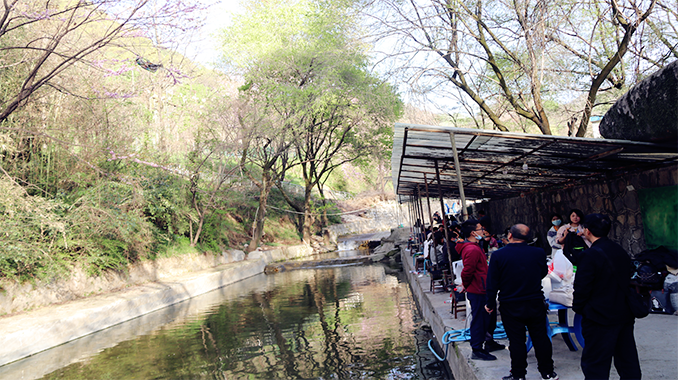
[(381, 217), (656, 339), (30, 332)]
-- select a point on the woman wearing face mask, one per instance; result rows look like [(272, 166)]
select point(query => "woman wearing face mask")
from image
[(556, 221), (576, 216)]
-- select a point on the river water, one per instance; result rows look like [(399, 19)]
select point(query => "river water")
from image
[(350, 322)]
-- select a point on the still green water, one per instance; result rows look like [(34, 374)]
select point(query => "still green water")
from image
[(356, 322)]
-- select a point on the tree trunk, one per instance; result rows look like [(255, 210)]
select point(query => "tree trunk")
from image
[(629, 28), (324, 221), (258, 223), (201, 222), (306, 223)]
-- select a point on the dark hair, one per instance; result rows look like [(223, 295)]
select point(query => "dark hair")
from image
[(598, 224), (555, 215), (577, 211), (469, 226), (481, 212), (520, 233)]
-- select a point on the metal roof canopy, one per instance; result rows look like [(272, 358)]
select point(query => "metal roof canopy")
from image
[(492, 163)]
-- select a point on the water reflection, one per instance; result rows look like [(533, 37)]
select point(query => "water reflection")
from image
[(340, 323)]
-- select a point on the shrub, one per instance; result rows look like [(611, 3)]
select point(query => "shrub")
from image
[(108, 224), (31, 228)]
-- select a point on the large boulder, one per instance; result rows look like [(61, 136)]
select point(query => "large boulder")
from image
[(648, 112)]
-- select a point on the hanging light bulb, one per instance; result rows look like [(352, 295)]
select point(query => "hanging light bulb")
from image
[(504, 172), (525, 165)]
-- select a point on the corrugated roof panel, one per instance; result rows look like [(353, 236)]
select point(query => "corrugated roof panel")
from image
[(492, 163)]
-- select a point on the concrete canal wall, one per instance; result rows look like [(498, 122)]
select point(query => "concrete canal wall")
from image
[(30, 332), (437, 314)]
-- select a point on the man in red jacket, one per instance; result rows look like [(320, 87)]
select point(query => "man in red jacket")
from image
[(473, 277)]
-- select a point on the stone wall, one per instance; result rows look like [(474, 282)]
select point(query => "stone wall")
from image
[(616, 197)]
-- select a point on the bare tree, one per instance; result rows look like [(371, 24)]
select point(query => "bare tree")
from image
[(478, 51), (41, 39), (508, 58), (629, 25)]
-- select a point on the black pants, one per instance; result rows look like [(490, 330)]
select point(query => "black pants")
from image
[(516, 316), (602, 342), (491, 325), (479, 319)]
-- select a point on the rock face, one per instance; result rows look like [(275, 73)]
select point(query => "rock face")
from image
[(648, 112)]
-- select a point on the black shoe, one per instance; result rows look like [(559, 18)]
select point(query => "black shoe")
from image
[(482, 355), (511, 377), (492, 345), (551, 376)]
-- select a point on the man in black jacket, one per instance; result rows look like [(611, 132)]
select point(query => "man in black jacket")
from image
[(515, 272), (600, 287)]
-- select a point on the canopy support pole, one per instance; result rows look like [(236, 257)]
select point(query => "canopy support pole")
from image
[(410, 211), (445, 220), (428, 202), (464, 212), (421, 209)]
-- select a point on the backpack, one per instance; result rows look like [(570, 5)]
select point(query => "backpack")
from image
[(573, 246), (647, 275)]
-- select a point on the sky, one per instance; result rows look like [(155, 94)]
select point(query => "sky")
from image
[(205, 48)]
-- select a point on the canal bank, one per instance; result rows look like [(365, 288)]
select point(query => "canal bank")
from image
[(31, 332), (656, 339), (348, 322)]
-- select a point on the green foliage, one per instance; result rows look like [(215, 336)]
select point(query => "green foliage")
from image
[(32, 230), (108, 220), (91, 165), (165, 203), (309, 77), (213, 237)]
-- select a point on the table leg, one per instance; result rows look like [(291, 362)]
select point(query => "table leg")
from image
[(562, 321), (577, 330)]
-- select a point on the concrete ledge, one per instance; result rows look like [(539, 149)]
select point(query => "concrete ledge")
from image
[(437, 313), (19, 297), (28, 333), (283, 253)]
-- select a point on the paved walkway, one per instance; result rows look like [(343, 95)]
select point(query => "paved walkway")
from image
[(656, 338)]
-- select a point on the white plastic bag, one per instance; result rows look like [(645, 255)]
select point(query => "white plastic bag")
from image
[(546, 286), (562, 267), (563, 295)]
